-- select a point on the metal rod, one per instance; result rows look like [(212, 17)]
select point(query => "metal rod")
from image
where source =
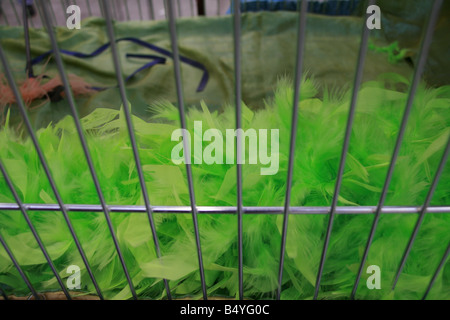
[(140, 9), (179, 8), (193, 13), (131, 134), (15, 11), (152, 9), (53, 14), (348, 132), (4, 15), (298, 79), (187, 153), (426, 42), (22, 274), (118, 12), (423, 212), (46, 168), (38, 8), (127, 12), (89, 8), (29, 68), (71, 102), (33, 230), (340, 210), (238, 97), (436, 273)]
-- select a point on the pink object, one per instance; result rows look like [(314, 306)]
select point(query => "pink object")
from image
[(35, 88)]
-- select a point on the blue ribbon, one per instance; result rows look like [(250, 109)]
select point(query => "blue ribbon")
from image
[(156, 59)]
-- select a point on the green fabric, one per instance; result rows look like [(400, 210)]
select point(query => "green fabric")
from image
[(268, 52), (321, 127)]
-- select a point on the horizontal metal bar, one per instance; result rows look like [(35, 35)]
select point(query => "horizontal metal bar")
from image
[(225, 210)]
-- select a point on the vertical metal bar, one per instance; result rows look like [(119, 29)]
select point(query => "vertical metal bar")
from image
[(187, 153), (89, 8), (218, 7), (238, 96), (38, 8), (15, 11), (193, 13), (53, 14), (29, 69), (438, 270), (348, 132), (152, 9), (22, 274), (298, 79), (426, 42), (46, 168), (423, 212), (126, 10), (179, 8), (118, 12), (33, 230), (135, 149), (4, 15), (71, 102), (140, 9)]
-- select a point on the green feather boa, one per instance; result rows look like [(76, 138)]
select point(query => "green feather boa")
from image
[(319, 143)]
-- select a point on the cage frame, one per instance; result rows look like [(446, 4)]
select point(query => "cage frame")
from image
[(331, 211)]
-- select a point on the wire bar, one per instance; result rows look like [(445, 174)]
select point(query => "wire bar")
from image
[(33, 230), (426, 42), (38, 8), (22, 274), (423, 212), (140, 9), (179, 8), (15, 11), (238, 97), (53, 13), (438, 270), (27, 39), (348, 132), (193, 12), (341, 210), (151, 9), (71, 102), (127, 112), (89, 8), (127, 12), (46, 168), (4, 15), (298, 79), (187, 152)]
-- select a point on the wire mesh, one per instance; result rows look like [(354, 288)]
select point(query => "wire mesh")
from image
[(171, 9)]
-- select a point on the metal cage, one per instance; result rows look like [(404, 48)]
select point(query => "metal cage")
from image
[(171, 9)]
